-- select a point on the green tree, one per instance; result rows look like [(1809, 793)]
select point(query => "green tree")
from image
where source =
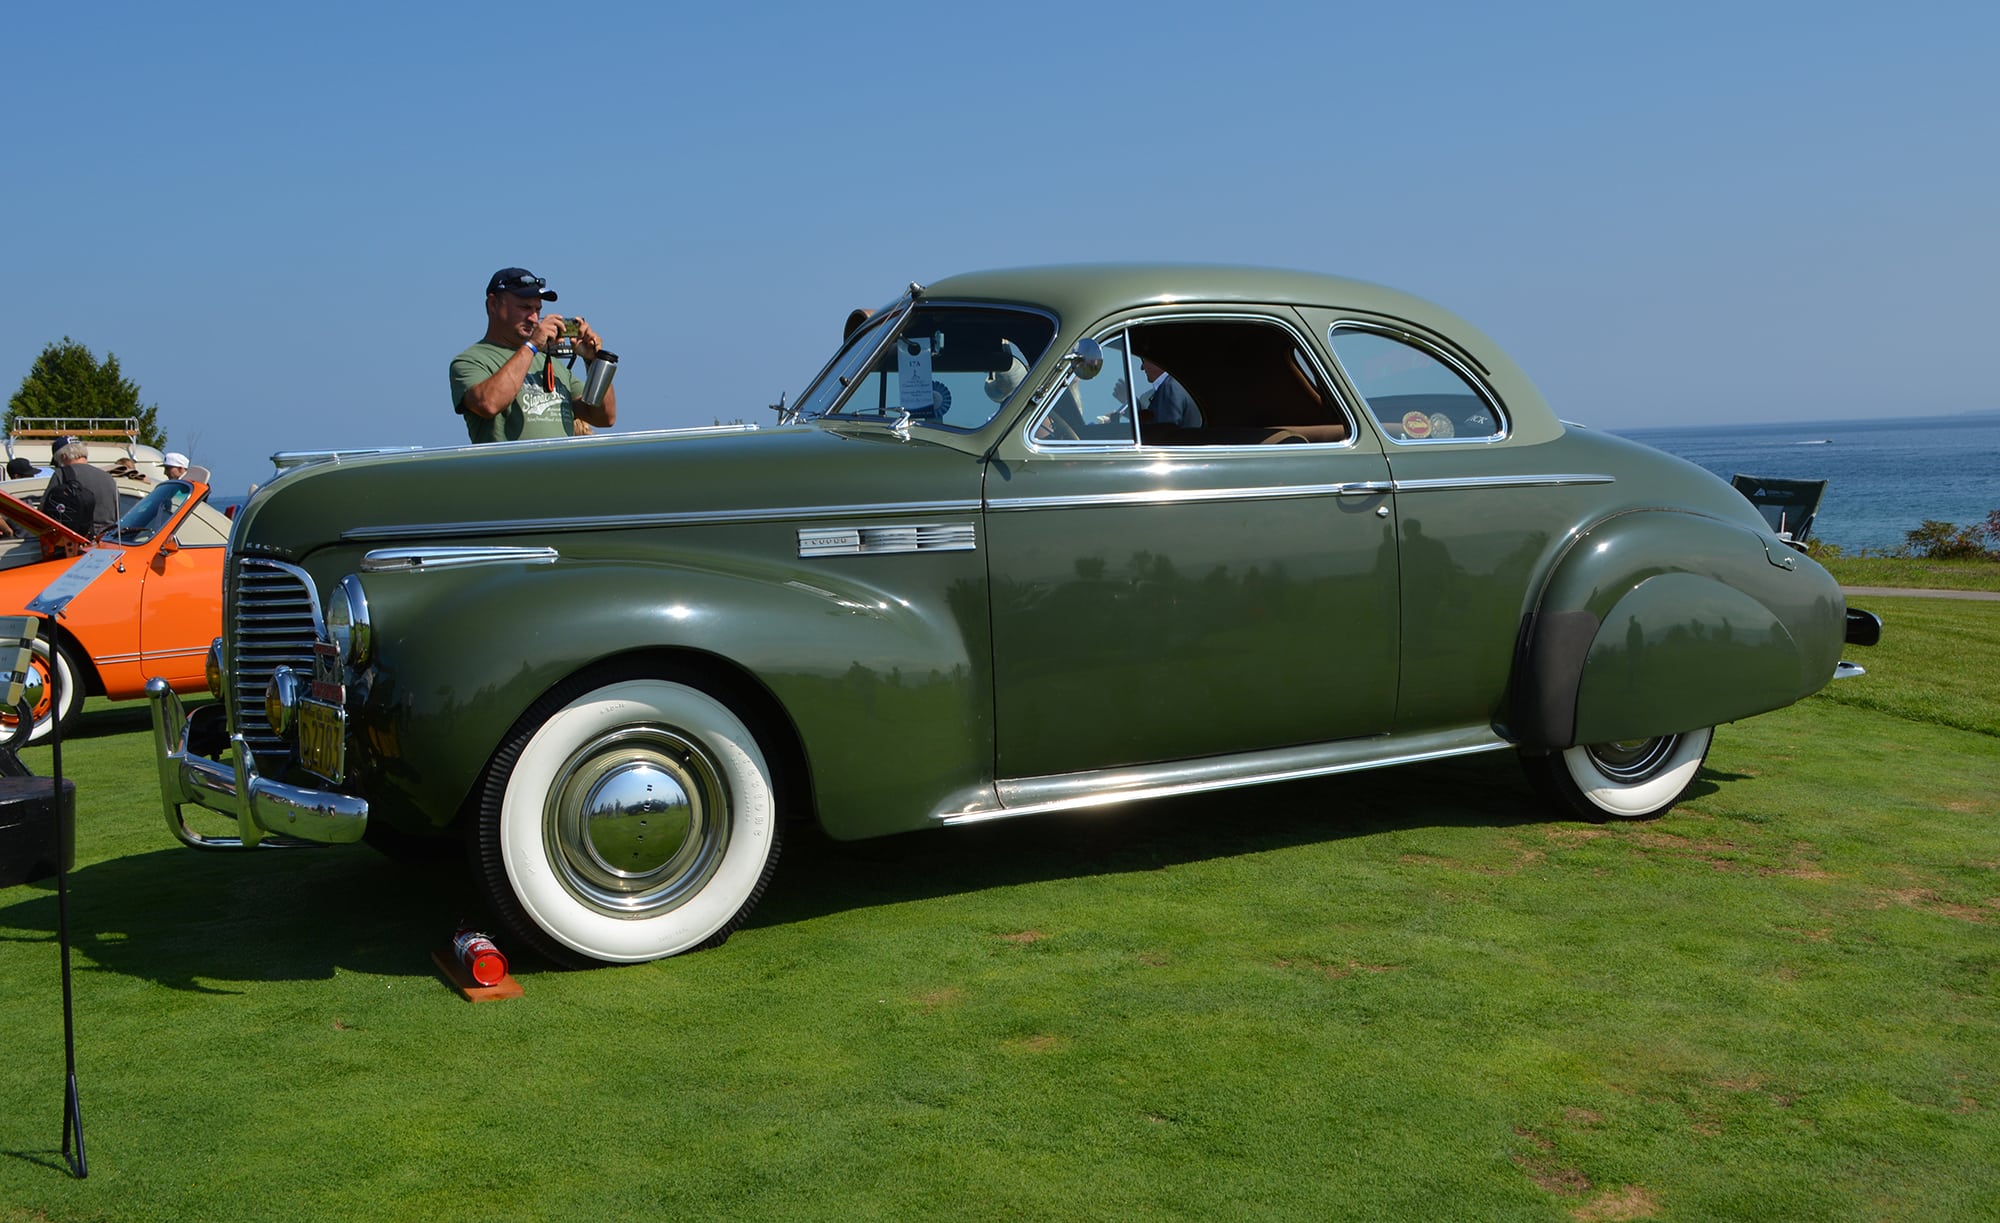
[(68, 380)]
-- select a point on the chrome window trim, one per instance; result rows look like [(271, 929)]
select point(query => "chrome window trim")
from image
[(684, 518), (1046, 399), (416, 560), (1416, 340)]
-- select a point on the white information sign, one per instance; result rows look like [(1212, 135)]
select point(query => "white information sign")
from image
[(913, 363), (85, 570)]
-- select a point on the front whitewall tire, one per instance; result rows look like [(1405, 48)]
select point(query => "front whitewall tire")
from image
[(578, 805)]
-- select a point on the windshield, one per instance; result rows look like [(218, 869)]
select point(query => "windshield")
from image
[(951, 366), (150, 516)]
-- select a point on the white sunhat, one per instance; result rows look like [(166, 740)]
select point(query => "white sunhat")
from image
[(174, 458)]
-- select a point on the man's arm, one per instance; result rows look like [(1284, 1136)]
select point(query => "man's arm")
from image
[(604, 415), (490, 396), (588, 345)]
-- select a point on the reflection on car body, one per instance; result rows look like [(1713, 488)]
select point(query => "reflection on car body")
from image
[(963, 580)]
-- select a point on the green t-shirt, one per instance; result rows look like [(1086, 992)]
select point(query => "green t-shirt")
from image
[(536, 410)]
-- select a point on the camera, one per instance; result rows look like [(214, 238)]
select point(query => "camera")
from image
[(564, 343)]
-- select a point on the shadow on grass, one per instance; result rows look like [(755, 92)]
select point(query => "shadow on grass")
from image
[(189, 920), (819, 875), (103, 721)]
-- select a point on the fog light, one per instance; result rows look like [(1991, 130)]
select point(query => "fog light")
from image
[(215, 668), (281, 700)]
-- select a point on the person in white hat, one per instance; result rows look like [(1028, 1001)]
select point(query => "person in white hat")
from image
[(176, 464)]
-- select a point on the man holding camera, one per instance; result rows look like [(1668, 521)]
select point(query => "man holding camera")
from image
[(506, 386)]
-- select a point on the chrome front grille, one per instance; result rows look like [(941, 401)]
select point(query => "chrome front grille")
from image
[(274, 612)]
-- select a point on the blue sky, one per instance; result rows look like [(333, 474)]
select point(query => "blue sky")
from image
[(281, 218)]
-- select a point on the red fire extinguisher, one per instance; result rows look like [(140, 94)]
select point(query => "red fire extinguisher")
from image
[(482, 960)]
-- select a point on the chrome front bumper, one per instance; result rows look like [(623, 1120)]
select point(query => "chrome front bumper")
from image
[(268, 813)]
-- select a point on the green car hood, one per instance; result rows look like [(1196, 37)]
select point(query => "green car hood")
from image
[(491, 493)]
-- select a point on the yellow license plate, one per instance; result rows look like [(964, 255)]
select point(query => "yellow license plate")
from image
[(323, 739)]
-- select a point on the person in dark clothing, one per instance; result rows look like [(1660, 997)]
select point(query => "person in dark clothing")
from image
[(81, 497)]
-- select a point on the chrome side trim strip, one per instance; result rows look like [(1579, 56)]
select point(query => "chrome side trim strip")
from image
[(408, 560), (1357, 488), (877, 540), (190, 652), (1168, 496), (1457, 483), (620, 522), (1102, 787)]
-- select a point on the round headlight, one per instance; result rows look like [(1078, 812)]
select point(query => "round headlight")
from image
[(215, 667), (347, 621), (281, 700)]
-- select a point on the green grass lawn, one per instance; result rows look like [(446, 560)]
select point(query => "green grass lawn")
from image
[(1916, 571), (1400, 995)]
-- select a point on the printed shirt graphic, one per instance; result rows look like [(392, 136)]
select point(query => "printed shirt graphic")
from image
[(536, 410)]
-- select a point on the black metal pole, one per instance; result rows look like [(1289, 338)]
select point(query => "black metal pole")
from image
[(72, 1107)]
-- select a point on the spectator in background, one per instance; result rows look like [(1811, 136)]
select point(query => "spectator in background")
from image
[(80, 497), (176, 464), (20, 468), (505, 386)]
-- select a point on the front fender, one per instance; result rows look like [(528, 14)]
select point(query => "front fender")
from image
[(1655, 622), (846, 653)]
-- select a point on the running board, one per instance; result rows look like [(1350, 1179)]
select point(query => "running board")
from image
[(1103, 787)]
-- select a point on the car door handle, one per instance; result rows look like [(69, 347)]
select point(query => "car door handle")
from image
[(1364, 488)]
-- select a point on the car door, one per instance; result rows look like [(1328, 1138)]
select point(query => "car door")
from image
[(180, 596), (1480, 507), (1164, 593)]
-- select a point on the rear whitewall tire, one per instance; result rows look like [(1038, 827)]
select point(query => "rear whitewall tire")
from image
[(636, 820), (1632, 780)]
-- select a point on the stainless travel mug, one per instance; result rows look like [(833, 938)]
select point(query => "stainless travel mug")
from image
[(597, 379)]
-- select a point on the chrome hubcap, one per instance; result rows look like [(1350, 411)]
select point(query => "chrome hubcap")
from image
[(1630, 760), (636, 821)]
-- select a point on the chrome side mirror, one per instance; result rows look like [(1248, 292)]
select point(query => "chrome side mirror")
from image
[(1087, 358)]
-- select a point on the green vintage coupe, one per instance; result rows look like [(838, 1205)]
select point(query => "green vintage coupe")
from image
[(1033, 541)]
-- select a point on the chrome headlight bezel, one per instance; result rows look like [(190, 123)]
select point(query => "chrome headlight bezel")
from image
[(347, 622)]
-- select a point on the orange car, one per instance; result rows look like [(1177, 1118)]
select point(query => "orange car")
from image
[(153, 612)]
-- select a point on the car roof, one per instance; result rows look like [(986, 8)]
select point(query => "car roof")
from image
[(1084, 291)]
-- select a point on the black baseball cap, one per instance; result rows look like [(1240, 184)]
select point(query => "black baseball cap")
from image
[(67, 439), (521, 283)]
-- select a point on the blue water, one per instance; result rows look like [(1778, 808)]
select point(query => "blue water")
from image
[(1884, 477)]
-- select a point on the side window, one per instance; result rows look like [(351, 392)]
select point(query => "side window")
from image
[(198, 531), (1090, 412), (1230, 382), (1414, 395)]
